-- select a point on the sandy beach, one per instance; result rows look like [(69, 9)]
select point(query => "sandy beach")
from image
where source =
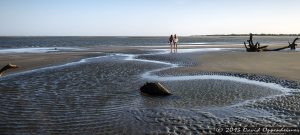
[(29, 61), (283, 64), (158, 67), (210, 86), (278, 64)]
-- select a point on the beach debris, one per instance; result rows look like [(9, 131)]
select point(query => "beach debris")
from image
[(251, 47), (155, 89), (293, 45), (7, 67), (277, 49)]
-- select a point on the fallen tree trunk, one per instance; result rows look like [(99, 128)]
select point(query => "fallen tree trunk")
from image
[(257, 48), (251, 47), (293, 45), (277, 49)]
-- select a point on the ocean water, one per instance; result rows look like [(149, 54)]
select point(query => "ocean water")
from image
[(101, 95), (26, 42)]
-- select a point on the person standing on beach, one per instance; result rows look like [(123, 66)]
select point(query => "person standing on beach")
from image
[(175, 41), (171, 41)]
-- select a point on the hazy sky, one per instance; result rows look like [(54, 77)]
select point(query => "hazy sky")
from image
[(147, 17)]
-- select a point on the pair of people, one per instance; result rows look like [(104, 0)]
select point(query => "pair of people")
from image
[(173, 40)]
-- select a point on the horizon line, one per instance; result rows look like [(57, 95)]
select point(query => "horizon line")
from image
[(256, 34)]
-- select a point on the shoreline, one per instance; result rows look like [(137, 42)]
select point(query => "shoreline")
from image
[(282, 65), (32, 61), (106, 87)]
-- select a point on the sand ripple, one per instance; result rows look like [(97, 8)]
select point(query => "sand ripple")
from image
[(101, 96)]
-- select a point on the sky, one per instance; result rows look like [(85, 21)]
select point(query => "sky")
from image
[(147, 17)]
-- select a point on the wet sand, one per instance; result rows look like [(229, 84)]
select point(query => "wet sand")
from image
[(29, 61), (285, 65), (102, 95)]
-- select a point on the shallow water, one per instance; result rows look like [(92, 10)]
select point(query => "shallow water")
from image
[(38, 50), (29, 42), (101, 96)]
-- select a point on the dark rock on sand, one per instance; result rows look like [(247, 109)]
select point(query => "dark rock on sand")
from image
[(155, 89), (7, 67)]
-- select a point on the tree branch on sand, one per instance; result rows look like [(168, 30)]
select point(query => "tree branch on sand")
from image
[(251, 47), (257, 48), (293, 45), (7, 67)]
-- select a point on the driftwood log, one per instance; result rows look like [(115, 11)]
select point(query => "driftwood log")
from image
[(251, 47), (155, 89), (7, 67), (293, 45)]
